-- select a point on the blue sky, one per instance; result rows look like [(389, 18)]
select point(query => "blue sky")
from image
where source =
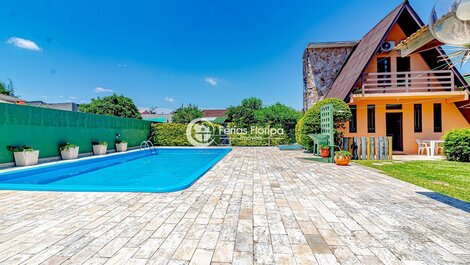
[(167, 53)]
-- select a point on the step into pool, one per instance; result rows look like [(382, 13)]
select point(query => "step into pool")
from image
[(170, 169)]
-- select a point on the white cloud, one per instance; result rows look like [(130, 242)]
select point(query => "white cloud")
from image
[(73, 97), (103, 90), (170, 99), (24, 44), (212, 81)]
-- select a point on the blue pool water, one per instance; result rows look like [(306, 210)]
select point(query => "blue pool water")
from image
[(170, 169)]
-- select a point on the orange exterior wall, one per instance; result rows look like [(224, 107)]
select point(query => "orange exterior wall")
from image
[(417, 62), (451, 119)]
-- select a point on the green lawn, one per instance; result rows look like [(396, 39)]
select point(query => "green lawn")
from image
[(449, 178)]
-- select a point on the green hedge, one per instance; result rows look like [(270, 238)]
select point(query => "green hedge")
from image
[(170, 134), (173, 134), (310, 122), (457, 145)]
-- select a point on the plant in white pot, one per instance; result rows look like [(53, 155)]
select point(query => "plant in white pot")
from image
[(121, 145), (68, 151), (24, 155), (99, 148)]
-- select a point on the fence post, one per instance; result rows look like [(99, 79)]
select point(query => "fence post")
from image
[(368, 148), (364, 148), (385, 148), (372, 148), (381, 148)]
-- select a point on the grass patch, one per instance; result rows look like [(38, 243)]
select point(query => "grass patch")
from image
[(449, 178)]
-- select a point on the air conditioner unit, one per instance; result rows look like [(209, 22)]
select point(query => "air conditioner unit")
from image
[(387, 46)]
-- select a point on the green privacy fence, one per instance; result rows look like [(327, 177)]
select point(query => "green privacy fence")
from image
[(44, 129)]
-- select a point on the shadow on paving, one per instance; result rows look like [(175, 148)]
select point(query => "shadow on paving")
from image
[(456, 203)]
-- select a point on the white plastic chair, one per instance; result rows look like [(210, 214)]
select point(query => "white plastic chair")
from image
[(422, 145)]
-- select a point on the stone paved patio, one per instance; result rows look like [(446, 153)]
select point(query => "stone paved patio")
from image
[(258, 205)]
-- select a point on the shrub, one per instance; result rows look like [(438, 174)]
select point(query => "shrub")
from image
[(343, 154), (66, 146), (457, 145), (310, 122), (20, 148), (170, 134), (93, 142)]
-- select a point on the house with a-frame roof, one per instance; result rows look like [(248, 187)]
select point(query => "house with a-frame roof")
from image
[(419, 96)]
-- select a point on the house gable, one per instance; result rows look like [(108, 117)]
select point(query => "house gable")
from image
[(363, 57)]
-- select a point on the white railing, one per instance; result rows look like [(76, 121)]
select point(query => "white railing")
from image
[(407, 82), (148, 145)]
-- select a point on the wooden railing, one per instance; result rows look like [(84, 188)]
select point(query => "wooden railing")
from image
[(407, 82)]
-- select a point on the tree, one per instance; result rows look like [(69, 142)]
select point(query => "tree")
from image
[(7, 88), (185, 114), (278, 115), (153, 110), (244, 115), (113, 105)]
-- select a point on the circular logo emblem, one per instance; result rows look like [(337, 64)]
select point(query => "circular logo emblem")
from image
[(200, 132)]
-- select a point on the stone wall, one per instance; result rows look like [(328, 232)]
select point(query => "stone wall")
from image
[(321, 67)]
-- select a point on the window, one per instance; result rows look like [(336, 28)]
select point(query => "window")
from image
[(437, 117), (371, 118), (394, 107), (418, 114), (353, 121)]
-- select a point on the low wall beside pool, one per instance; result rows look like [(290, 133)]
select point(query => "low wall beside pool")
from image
[(44, 129)]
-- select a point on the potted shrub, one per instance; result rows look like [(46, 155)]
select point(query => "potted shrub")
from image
[(24, 155), (324, 150), (121, 145), (68, 151), (99, 148), (342, 158)]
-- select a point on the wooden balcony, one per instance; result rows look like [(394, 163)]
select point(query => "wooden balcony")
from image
[(408, 82)]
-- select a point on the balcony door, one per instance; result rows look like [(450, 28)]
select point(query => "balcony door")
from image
[(403, 65), (383, 66)]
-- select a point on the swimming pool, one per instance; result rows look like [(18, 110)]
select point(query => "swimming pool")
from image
[(171, 169)]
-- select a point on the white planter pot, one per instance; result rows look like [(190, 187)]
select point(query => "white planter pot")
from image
[(122, 147), (26, 158), (71, 153), (99, 149)]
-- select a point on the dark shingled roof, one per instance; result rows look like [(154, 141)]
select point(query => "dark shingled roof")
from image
[(214, 112), (361, 56)]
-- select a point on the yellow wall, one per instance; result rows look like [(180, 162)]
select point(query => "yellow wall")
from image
[(451, 118)]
